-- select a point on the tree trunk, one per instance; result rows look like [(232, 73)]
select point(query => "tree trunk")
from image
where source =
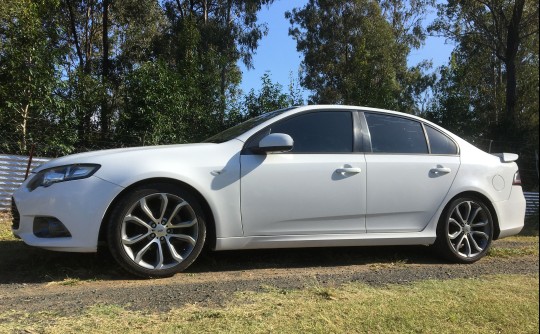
[(105, 114), (512, 45)]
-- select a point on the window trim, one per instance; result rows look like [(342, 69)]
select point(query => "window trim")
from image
[(458, 149), (397, 116), (367, 136), (247, 150)]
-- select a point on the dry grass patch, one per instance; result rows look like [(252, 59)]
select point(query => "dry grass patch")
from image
[(499, 304), (5, 227)]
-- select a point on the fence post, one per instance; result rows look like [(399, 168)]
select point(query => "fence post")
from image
[(32, 148)]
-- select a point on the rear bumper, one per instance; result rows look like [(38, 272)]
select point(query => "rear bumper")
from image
[(511, 213)]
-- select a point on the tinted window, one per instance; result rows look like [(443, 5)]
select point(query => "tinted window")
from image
[(440, 143), (239, 129), (391, 134), (329, 131)]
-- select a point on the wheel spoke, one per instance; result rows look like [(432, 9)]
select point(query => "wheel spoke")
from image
[(457, 210), (474, 214), (159, 256), (452, 236), (138, 221), (177, 209), (146, 209), (454, 222), (173, 251), (185, 224), (159, 231), (163, 209), (469, 250), (474, 243), (134, 239), (480, 224), (468, 230), (457, 213), (459, 244), (184, 237), (140, 254)]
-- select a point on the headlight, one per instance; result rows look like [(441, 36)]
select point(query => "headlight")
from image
[(50, 176)]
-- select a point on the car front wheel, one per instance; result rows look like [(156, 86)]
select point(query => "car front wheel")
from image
[(465, 230), (156, 230)]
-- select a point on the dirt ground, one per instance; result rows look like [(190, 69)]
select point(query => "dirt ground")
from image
[(65, 283)]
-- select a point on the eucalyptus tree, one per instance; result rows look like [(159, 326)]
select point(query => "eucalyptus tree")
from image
[(31, 54), (355, 51), (500, 27)]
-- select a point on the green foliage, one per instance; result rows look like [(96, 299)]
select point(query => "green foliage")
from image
[(80, 74), (269, 97), (158, 101), (30, 54), (497, 39), (356, 53)]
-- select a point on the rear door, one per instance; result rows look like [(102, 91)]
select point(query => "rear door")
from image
[(407, 178)]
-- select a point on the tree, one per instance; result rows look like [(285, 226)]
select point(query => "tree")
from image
[(30, 57), (269, 97), (347, 47), (355, 51), (499, 26), (227, 31)]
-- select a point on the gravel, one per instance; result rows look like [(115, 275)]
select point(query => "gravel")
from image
[(33, 280)]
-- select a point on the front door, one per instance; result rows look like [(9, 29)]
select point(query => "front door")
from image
[(317, 188)]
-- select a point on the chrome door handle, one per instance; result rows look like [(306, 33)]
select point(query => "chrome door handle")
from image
[(441, 170), (351, 170)]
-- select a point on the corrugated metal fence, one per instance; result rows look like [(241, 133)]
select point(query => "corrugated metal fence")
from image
[(532, 203), (12, 172)]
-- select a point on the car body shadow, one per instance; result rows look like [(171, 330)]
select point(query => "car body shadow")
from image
[(20, 263)]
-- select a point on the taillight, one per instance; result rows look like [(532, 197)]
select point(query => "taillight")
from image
[(517, 179)]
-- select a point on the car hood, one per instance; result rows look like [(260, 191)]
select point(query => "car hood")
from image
[(128, 155)]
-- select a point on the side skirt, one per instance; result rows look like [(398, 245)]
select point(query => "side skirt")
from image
[(326, 240)]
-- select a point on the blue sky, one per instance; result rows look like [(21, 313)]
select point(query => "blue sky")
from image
[(277, 51)]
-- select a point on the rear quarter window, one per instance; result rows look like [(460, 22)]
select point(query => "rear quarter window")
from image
[(440, 143)]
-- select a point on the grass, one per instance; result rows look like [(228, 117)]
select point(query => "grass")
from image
[(514, 251), (496, 304), (5, 228)]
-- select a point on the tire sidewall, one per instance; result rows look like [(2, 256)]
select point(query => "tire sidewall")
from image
[(443, 243), (114, 230)]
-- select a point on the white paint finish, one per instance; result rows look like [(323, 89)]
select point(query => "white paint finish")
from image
[(507, 157), (511, 213), (70, 203), (302, 194), (288, 200), (404, 191), (193, 164), (327, 240), (498, 182)]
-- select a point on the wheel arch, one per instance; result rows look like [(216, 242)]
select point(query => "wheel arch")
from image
[(210, 221), (486, 201)]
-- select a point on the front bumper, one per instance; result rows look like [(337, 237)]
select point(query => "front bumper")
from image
[(79, 204)]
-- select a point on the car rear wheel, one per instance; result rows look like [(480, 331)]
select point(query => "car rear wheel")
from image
[(156, 230), (465, 230)]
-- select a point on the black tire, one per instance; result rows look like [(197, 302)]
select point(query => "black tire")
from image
[(465, 230), (156, 230)]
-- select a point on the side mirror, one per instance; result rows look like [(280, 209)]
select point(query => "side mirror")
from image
[(275, 143)]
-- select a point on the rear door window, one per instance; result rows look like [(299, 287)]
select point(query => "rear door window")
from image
[(392, 134)]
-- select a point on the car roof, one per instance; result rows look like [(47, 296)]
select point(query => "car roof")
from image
[(330, 107)]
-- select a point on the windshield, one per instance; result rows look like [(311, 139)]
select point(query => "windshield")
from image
[(237, 130)]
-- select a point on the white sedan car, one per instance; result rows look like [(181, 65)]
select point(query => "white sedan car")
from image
[(308, 176)]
